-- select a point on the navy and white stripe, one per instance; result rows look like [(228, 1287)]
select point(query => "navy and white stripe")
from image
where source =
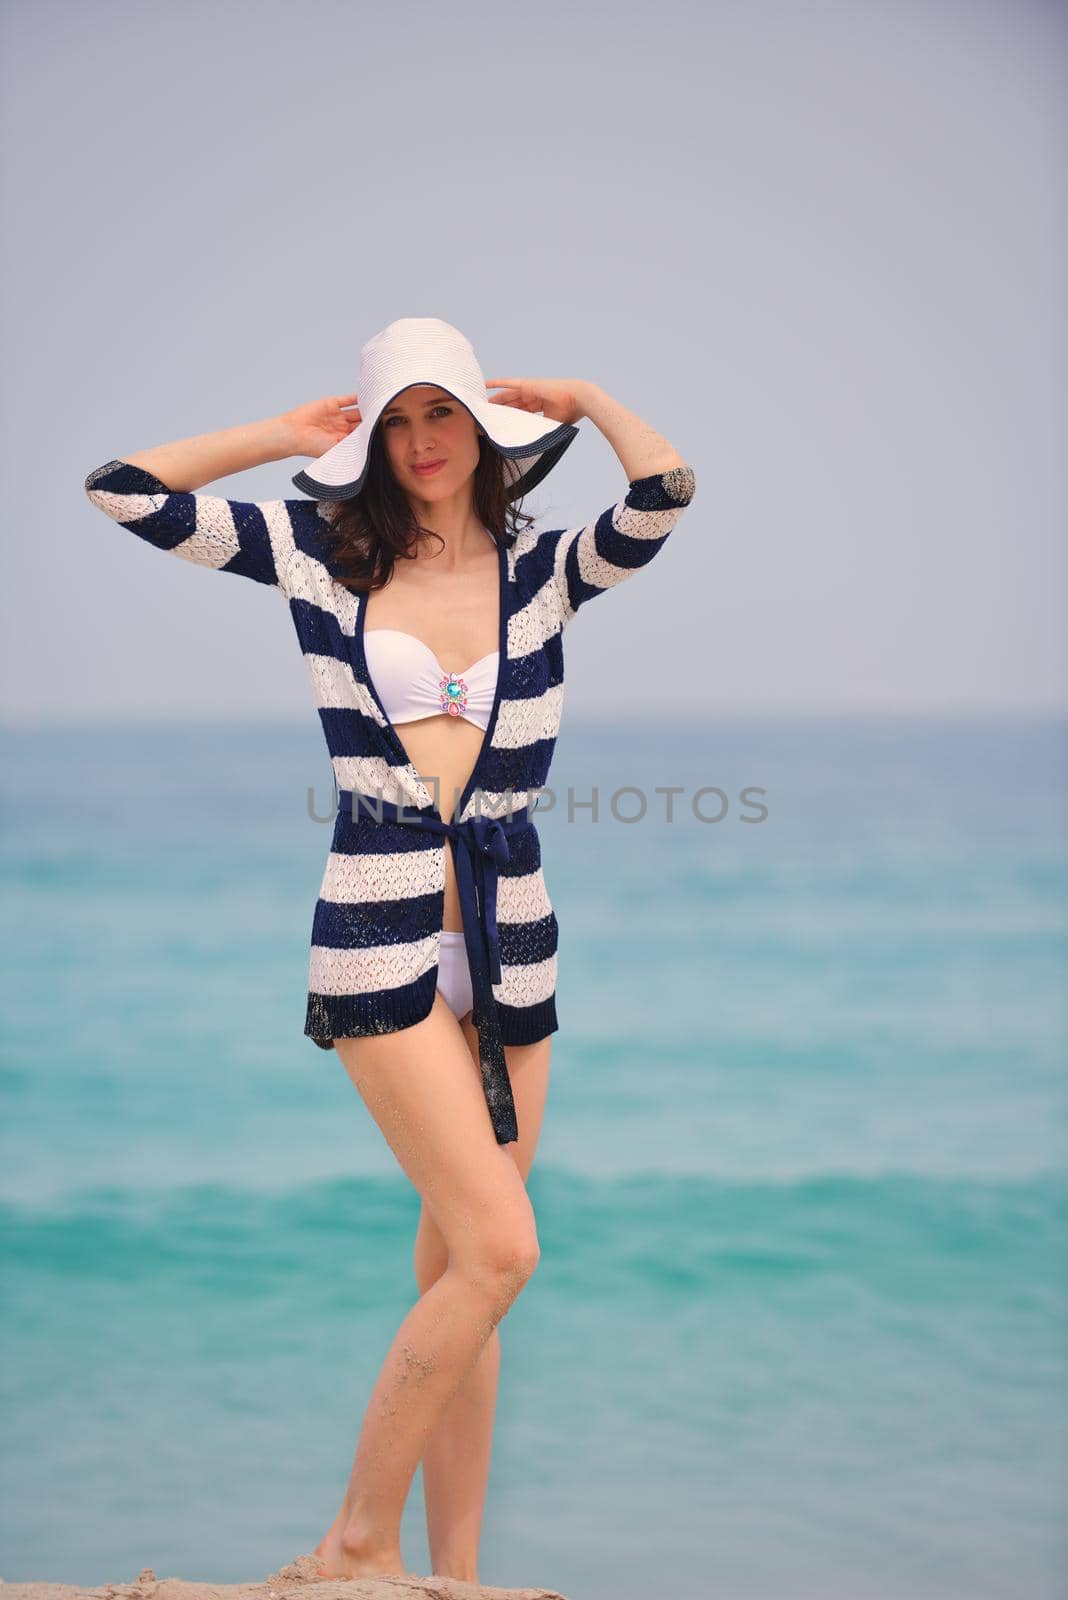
[(378, 917)]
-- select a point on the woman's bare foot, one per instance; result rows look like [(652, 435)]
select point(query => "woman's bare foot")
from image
[(344, 1558)]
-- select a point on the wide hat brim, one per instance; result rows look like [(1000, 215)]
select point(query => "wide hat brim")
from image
[(530, 445)]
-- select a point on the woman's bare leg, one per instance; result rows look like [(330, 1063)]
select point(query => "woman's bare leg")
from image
[(419, 1087), (456, 1459)]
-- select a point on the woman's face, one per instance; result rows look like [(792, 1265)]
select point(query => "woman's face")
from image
[(424, 424)]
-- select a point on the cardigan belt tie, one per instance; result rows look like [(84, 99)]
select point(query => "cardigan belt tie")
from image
[(479, 847)]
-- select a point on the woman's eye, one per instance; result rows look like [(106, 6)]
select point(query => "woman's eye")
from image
[(447, 410)]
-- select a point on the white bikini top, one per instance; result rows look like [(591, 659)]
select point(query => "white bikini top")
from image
[(411, 682)]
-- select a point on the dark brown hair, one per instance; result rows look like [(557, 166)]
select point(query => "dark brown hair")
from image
[(364, 537)]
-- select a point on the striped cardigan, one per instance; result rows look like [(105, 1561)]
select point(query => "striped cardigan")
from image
[(378, 917)]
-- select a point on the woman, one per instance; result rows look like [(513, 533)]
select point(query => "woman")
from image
[(418, 601)]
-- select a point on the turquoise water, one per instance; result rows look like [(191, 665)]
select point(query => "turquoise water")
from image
[(799, 1324)]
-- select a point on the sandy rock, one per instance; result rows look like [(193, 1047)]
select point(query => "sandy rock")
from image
[(291, 1582)]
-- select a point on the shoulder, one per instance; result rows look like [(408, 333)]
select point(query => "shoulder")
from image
[(310, 522), (526, 540)]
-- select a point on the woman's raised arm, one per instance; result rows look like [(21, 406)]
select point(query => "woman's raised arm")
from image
[(593, 559), (189, 463), (590, 560), (150, 493)]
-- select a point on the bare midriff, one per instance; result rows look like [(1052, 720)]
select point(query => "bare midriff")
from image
[(444, 748), (457, 616)]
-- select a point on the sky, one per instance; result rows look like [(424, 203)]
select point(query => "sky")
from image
[(820, 247)]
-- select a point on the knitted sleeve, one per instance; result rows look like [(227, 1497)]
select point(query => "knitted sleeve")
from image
[(587, 561), (254, 538)]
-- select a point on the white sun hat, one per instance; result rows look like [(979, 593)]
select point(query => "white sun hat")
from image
[(427, 350)]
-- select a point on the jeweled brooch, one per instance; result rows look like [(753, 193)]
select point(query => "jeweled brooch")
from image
[(453, 694)]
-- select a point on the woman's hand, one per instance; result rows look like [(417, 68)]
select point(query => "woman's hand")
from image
[(559, 399), (316, 427)]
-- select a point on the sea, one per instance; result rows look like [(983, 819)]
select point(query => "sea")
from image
[(799, 1327)]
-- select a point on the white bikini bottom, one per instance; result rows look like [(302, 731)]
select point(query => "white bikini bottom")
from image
[(454, 971)]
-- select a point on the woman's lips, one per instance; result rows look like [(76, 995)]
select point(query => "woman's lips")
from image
[(424, 472)]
